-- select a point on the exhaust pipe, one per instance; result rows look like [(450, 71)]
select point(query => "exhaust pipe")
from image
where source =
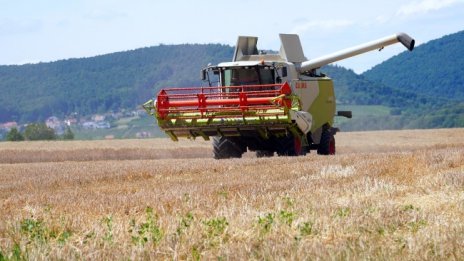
[(346, 114)]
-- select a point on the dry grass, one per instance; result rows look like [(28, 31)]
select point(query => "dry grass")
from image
[(401, 198)]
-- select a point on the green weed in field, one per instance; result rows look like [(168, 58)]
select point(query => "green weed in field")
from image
[(34, 229), (148, 231), (266, 222), (15, 255), (306, 228), (215, 231), (342, 212), (185, 223), (215, 226), (286, 217), (108, 221)]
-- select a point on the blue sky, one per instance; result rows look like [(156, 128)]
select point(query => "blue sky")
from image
[(49, 30)]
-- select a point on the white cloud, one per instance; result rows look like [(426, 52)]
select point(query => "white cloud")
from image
[(425, 6), (318, 25)]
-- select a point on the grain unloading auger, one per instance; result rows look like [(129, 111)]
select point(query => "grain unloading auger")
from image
[(268, 103)]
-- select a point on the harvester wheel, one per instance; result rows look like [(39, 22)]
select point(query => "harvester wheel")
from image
[(327, 143), (264, 153), (290, 146), (224, 148)]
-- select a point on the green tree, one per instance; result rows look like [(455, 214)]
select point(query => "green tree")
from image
[(68, 134), (14, 135), (39, 131)]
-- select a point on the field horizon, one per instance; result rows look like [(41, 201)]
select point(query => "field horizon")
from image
[(385, 195)]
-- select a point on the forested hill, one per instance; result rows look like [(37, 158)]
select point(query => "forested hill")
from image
[(34, 92), (400, 108), (435, 68)]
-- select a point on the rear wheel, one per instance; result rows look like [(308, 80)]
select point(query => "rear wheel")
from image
[(225, 148), (327, 143)]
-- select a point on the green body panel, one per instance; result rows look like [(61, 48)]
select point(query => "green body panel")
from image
[(323, 108)]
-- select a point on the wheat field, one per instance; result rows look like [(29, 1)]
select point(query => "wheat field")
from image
[(385, 195)]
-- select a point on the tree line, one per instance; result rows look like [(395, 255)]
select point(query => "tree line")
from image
[(38, 131)]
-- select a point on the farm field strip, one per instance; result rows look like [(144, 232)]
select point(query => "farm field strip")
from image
[(164, 148), (387, 195)]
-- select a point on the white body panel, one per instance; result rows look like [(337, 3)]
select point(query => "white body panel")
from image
[(307, 91), (303, 120)]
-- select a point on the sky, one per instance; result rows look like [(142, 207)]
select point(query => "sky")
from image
[(34, 31)]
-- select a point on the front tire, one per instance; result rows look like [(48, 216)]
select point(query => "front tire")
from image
[(225, 148)]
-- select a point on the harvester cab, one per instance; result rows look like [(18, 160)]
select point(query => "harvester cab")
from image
[(268, 103)]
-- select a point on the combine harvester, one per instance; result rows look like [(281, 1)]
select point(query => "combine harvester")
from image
[(268, 103)]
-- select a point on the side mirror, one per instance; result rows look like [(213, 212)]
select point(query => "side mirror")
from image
[(203, 75)]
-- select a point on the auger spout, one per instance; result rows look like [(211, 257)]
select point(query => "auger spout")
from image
[(402, 38)]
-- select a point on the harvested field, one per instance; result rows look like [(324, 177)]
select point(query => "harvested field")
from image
[(385, 195)]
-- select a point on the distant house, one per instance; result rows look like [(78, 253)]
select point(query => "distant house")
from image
[(103, 125), (70, 122), (7, 126), (96, 125), (55, 124), (98, 117), (89, 125), (117, 115), (143, 134)]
